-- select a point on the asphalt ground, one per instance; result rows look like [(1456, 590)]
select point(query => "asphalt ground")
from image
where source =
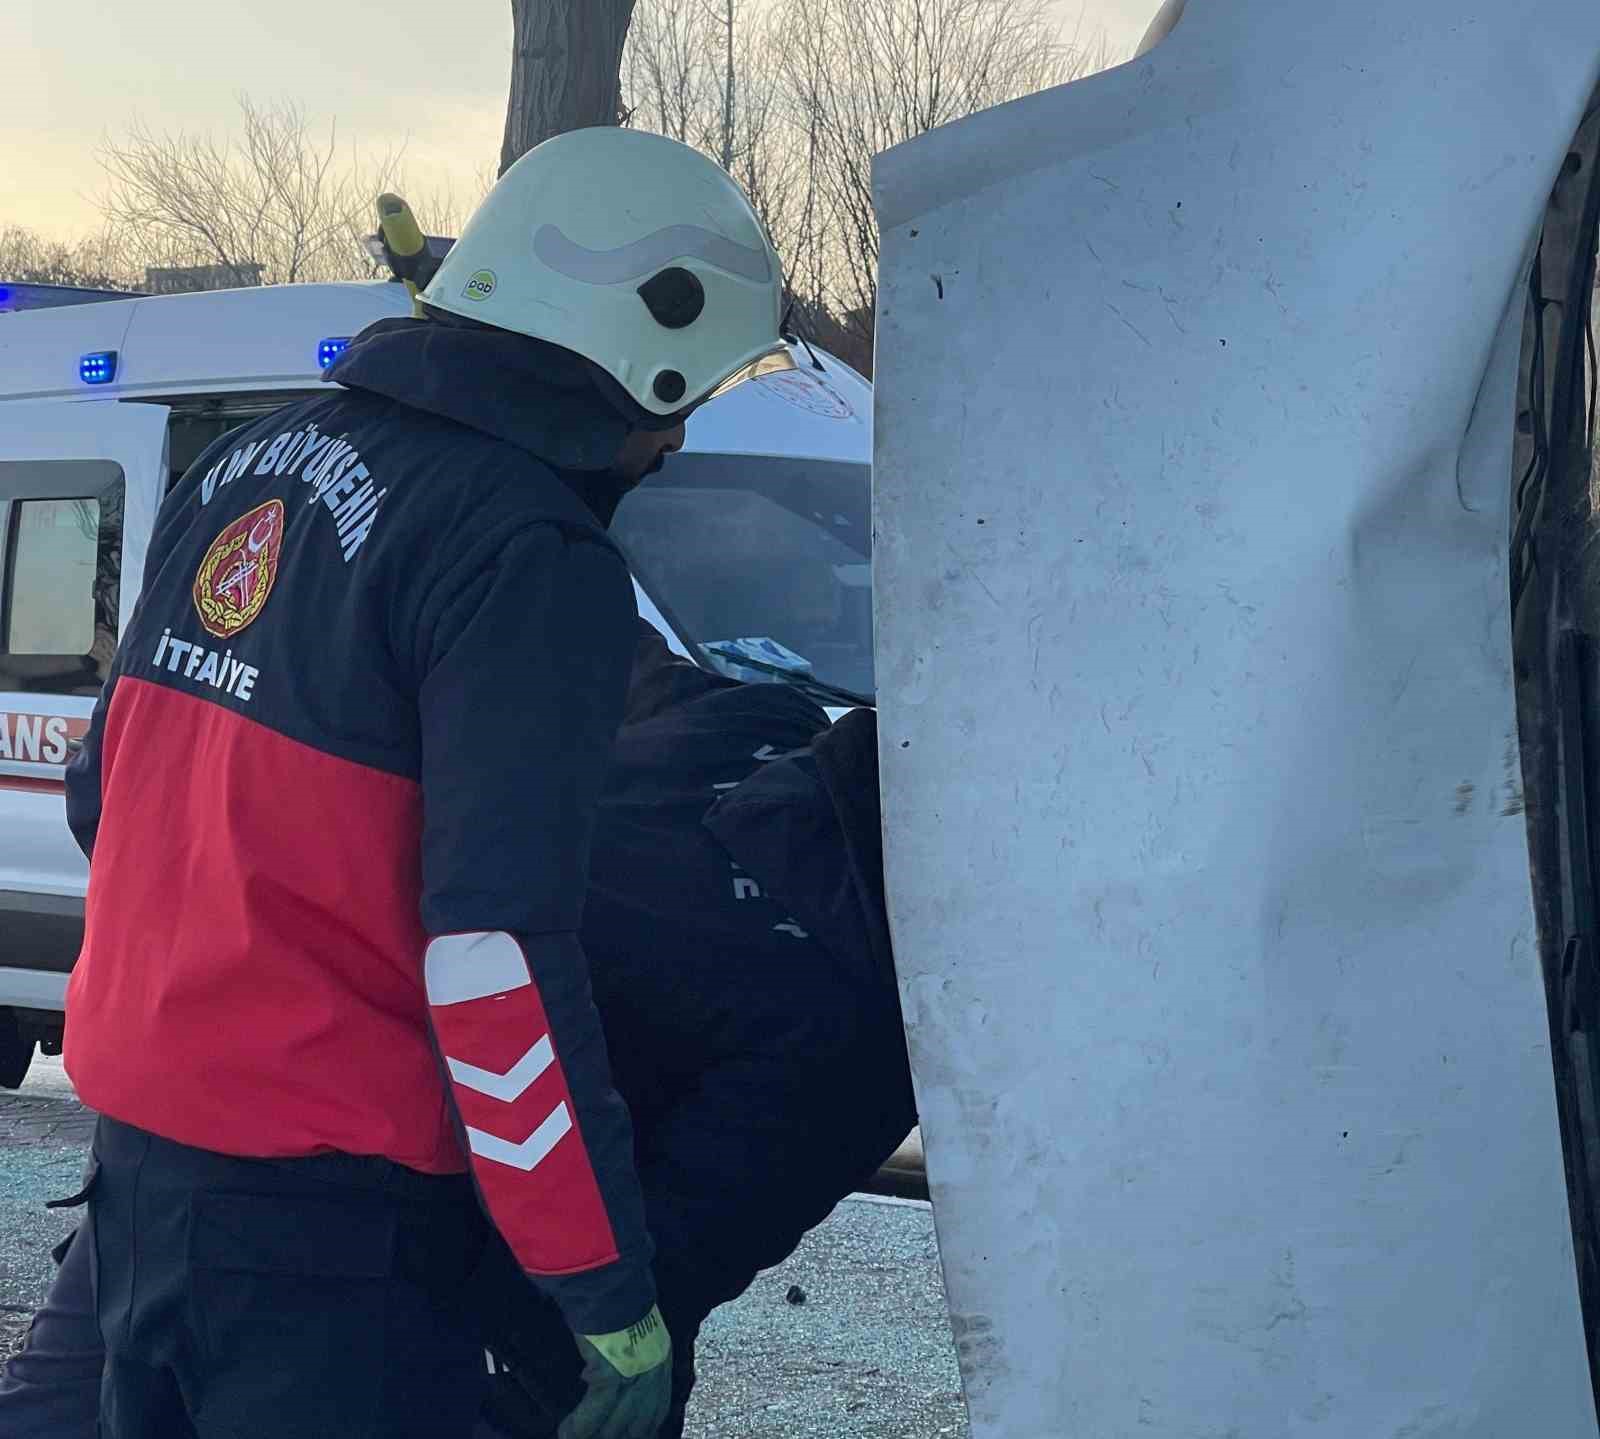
[(44, 1136), (847, 1339)]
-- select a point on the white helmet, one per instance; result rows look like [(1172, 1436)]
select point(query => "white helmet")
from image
[(638, 253)]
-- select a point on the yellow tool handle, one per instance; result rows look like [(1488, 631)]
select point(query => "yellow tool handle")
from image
[(404, 239), (400, 229)]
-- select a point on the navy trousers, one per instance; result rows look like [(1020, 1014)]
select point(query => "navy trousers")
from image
[(252, 1299), (50, 1388)]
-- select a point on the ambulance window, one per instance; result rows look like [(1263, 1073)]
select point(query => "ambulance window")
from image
[(200, 421), (60, 574), (760, 547), (54, 556), (189, 436)]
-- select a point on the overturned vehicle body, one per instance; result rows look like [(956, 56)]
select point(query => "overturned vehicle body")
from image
[(1238, 641)]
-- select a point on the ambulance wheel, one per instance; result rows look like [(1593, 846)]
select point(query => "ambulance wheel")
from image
[(16, 1051)]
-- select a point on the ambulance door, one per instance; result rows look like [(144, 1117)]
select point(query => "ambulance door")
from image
[(79, 487)]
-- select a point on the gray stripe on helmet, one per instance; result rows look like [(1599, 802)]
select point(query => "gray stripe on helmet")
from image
[(647, 255)]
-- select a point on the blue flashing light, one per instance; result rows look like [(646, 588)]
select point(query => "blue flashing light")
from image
[(99, 368), (330, 349)]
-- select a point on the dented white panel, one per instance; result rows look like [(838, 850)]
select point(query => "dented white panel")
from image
[(1194, 394)]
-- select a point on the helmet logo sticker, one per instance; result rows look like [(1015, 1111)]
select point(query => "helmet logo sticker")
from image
[(237, 573), (480, 285), (648, 254)]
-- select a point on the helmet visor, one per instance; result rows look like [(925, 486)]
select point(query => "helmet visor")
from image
[(776, 359)]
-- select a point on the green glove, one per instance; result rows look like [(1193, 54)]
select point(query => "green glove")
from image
[(627, 1379)]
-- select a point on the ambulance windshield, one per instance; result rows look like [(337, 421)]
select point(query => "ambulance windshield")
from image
[(767, 558)]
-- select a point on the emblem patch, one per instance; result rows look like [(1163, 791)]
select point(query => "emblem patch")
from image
[(236, 575)]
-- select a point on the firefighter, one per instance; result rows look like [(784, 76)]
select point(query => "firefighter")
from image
[(338, 792), (736, 934)]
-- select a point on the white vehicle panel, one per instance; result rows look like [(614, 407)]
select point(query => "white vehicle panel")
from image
[(217, 341), (1207, 870), (40, 349), (37, 853), (210, 342), (824, 413), (32, 989)]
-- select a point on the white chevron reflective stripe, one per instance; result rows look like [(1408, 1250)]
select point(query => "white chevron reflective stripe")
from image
[(507, 1086), (531, 1150), (459, 967)]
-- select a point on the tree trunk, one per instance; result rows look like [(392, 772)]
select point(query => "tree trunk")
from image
[(566, 58)]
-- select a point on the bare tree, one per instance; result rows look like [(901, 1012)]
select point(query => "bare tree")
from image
[(702, 71), (29, 258), (794, 100), (864, 75), (810, 238), (666, 79), (566, 63), (727, 17), (754, 139), (274, 195)]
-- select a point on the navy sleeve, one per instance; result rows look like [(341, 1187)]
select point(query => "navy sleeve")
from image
[(83, 777), (663, 679), (526, 664)]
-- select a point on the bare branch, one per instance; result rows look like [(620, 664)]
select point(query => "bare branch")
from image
[(860, 76), (28, 258), (273, 195)]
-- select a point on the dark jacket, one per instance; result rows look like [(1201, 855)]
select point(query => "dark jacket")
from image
[(810, 828), (339, 793), (743, 975), (743, 969), (742, 960)]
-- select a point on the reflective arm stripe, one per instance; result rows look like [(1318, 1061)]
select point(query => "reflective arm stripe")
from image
[(460, 967), (510, 1089), (507, 1086), (526, 1155)]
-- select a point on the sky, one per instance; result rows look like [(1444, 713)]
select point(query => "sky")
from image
[(405, 73)]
